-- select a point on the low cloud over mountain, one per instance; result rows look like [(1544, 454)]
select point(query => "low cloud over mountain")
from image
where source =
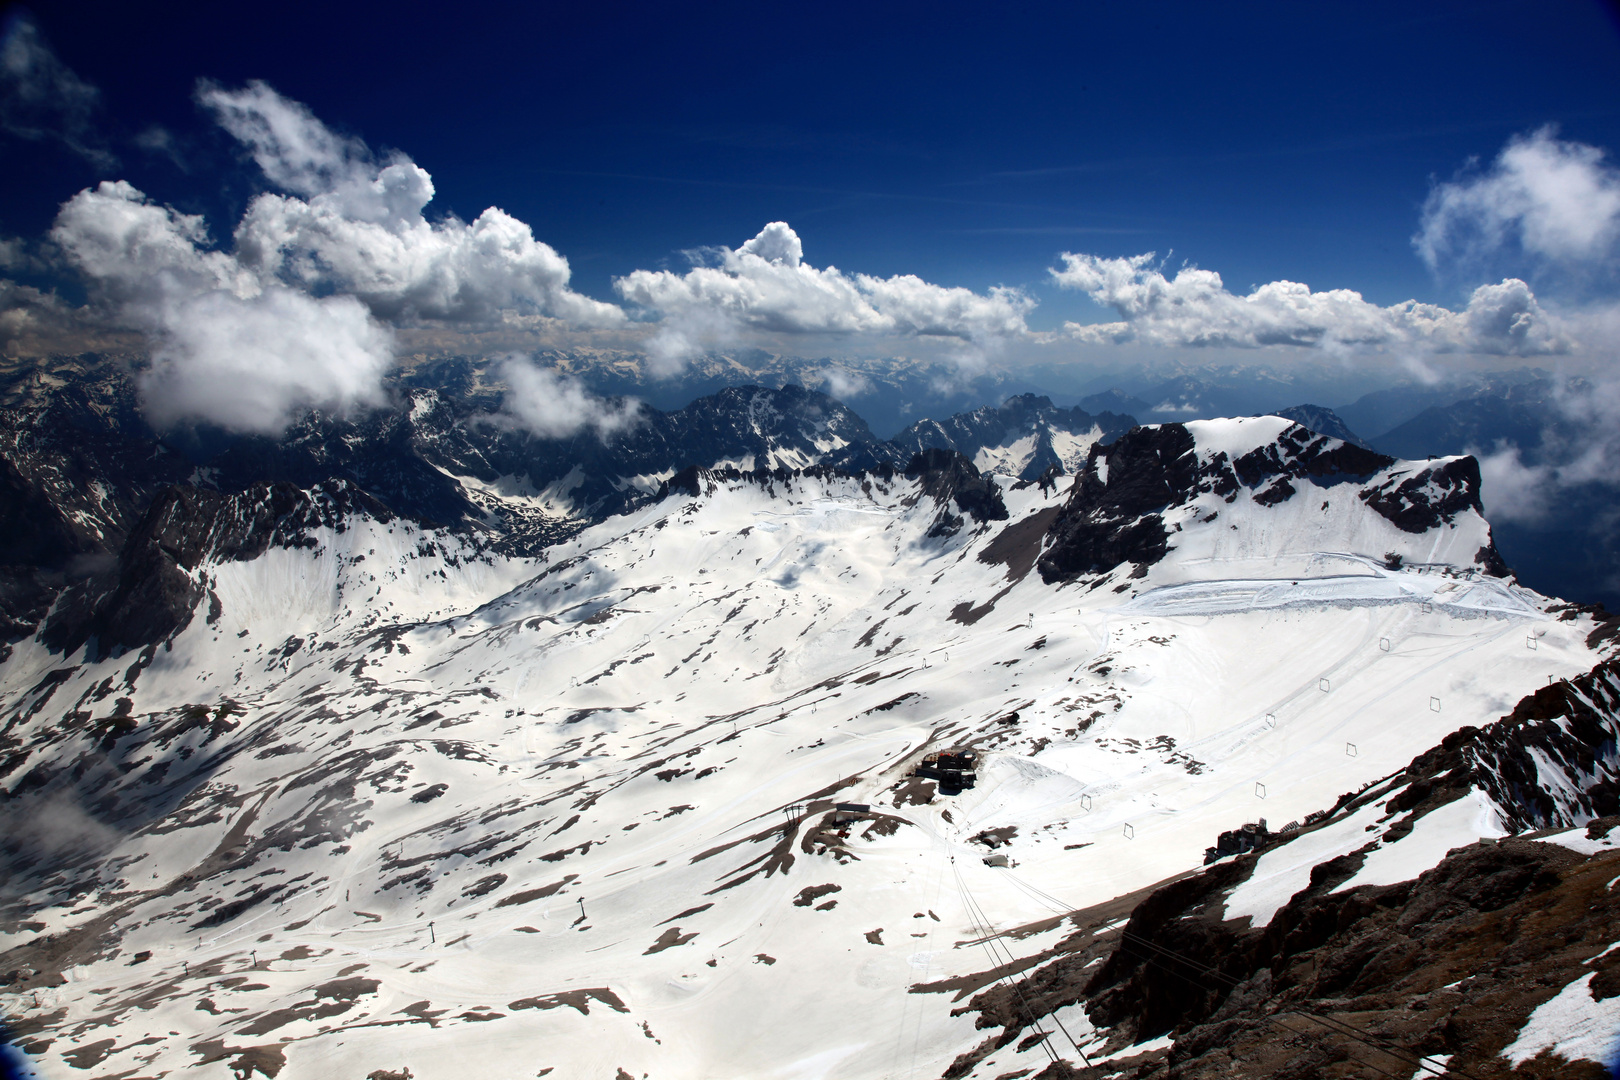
[(766, 285)]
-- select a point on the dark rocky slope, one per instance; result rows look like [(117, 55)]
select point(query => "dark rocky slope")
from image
[(76, 473)]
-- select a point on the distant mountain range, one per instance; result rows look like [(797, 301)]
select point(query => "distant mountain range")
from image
[(1523, 415), (80, 469)]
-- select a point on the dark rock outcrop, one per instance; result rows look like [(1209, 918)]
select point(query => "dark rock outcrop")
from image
[(1301, 454), (78, 466), (949, 478), (1569, 730), (1113, 514), (1115, 510), (1430, 496)]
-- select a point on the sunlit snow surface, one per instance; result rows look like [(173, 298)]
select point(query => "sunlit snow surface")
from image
[(621, 731)]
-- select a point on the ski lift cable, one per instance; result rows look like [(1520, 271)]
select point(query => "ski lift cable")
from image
[(1043, 1036), (1010, 960), (939, 887), (1029, 1010), (986, 941), (1054, 902), (1038, 897), (916, 1042), (991, 939)]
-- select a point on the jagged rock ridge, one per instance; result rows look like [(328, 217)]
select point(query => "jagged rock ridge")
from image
[(1116, 511)]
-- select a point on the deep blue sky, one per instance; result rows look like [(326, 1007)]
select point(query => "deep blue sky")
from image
[(966, 144)]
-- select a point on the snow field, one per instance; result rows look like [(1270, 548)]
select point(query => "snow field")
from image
[(630, 723)]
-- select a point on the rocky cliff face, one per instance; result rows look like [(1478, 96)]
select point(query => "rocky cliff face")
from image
[(76, 473), (160, 576), (951, 479), (1553, 762), (436, 462), (1114, 513)]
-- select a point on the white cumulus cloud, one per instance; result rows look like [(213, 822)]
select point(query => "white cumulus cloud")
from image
[(1511, 489), (553, 405), (141, 254), (765, 285), (296, 315), (252, 364), (1557, 201), (352, 225), (1195, 308), (228, 347), (841, 383)]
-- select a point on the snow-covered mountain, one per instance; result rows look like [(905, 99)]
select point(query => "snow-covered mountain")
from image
[(364, 795), (79, 466), (1321, 420)]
